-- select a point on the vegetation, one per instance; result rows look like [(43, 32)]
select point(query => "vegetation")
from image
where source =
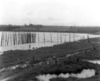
[(69, 66), (10, 58), (74, 64), (44, 28)]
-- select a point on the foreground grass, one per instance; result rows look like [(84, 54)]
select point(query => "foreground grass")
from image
[(74, 64), (10, 58), (65, 66)]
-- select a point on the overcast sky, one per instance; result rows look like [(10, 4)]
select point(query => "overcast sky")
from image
[(50, 12)]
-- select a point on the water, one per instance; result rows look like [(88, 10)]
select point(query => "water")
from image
[(30, 40), (33, 40), (94, 61), (86, 73)]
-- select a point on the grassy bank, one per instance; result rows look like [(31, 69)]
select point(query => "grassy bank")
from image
[(10, 58), (65, 66), (74, 64)]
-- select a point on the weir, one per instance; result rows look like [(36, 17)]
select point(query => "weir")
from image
[(16, 38), (32, 40)]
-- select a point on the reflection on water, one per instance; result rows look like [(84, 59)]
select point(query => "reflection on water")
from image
[(94, 61), (86, 73), (29, 40)]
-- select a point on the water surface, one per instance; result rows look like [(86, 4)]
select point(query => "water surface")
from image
[(32, 40)]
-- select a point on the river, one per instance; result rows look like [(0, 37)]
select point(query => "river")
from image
[(33, 40)]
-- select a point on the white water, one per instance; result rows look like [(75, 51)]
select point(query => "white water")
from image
[(86, 73), (57, 38)]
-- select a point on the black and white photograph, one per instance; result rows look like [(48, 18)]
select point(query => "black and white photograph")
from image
[(49, 40)]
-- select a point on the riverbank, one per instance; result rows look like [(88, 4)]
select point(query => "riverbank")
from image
[(69, 55), (10, 58), (62, 67)]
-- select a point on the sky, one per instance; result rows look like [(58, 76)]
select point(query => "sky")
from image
[(50, 12)]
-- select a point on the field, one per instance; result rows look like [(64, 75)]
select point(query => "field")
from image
[(67, 29)]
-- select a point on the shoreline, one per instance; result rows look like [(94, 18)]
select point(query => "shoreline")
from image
[(83, 49)]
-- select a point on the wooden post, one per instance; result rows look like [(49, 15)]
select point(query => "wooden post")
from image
[(14, 38), (88, 39), (2, 40), (73, 34), (29, 46), (69, 37), (17, 38), (44, 36), (57, 38), (65, 37), (20, 38), (61, 37), (51, 37), (38, 38), (32, 38), (74, 37), (7, 39)]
